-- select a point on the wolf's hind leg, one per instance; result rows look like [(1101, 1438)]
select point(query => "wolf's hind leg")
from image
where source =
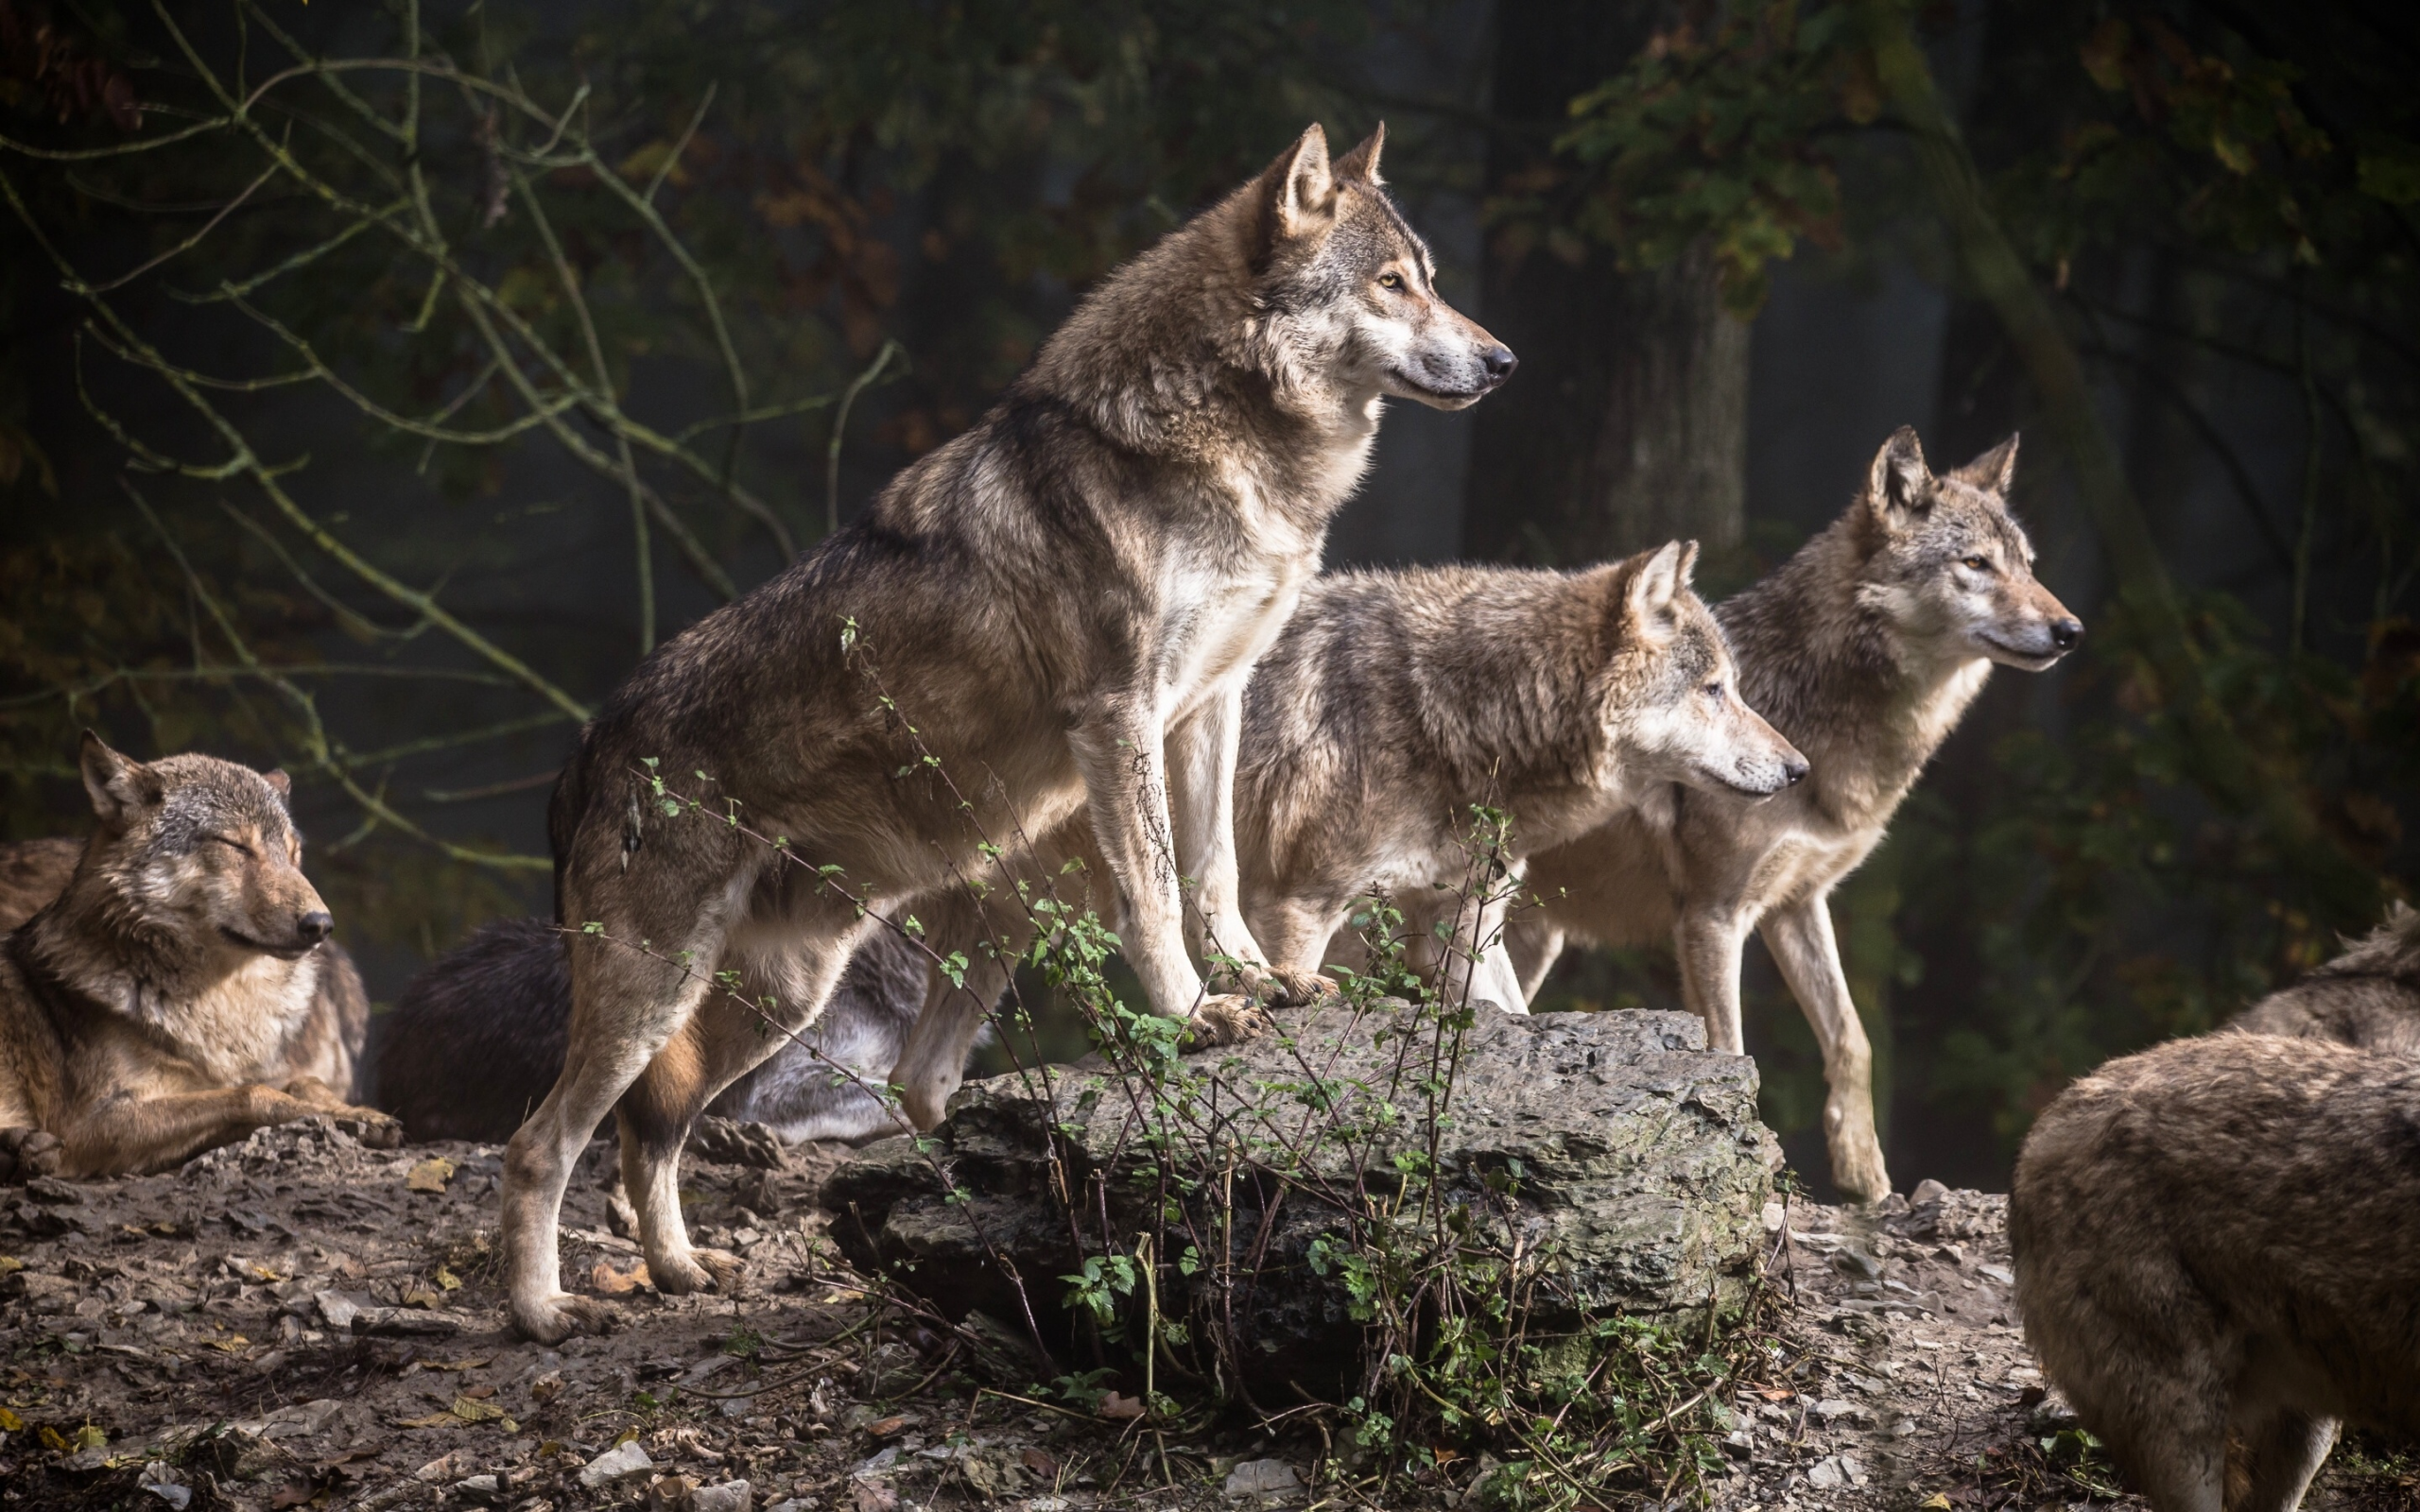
[(627, 1004), (1799, 936), (723, 1041), (2282, 1454)]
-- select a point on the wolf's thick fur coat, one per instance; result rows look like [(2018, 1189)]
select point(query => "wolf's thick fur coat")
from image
[(1865, 649), (2215, 1240), (1059, 608), (180, 989)]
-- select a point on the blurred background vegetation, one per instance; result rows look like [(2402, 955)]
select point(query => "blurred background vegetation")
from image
[(380, 382)]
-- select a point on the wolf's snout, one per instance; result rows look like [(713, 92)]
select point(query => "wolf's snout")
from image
[(313, 928), (1793, 771), (2066, 632), (1499, 361)]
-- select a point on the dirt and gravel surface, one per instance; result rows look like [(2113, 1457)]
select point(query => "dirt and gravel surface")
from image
[(299, 1321)]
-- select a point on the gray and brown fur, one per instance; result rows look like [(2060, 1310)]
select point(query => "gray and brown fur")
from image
[(1865, 649), (1063, 602), (180, 990), (2215, 1242), (1391, 705), (2368, 997), (477, 1039), (325, 1046)]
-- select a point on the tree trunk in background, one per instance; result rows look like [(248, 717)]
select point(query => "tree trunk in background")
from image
[(1628, 423)]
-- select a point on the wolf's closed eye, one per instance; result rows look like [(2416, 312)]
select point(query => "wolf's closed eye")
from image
[(232, 844)]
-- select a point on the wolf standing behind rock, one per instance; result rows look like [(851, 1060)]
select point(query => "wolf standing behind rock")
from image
[(2214, 1241), (179, 990), (1054, 612), (1864, 650)]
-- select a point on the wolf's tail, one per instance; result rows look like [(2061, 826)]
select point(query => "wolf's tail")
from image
[(563, 809)]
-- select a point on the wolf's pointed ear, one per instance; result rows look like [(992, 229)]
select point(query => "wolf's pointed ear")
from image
[(1297, 191), (1993, 471), (120, 786), (1654, 582), (279, 782), (1900, 486), (1361, 166)]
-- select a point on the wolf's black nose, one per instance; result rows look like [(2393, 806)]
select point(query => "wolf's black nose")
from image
[(1499, 361), (313, 928), (2067, 632), (1794, 771)]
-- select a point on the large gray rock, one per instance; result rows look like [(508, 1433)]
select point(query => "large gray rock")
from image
[(1612, 1145)]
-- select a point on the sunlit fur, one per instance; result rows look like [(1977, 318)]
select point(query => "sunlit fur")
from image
[(1865, 649), (1064, 602), (180, 991)]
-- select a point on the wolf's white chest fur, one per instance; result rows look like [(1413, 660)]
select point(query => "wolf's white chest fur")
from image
[(237, 1028)]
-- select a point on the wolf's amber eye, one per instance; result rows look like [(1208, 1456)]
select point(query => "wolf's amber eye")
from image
[(1391, 281), (1981, 564)]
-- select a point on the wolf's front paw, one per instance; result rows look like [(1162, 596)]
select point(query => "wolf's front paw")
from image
[(374, 1129), (1227, 1019), (1857, 1167), (1275, 986), (558, 1315), (717, 1269), (27, 1153)]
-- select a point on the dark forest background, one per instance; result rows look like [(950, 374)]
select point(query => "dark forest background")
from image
[(378, 382)]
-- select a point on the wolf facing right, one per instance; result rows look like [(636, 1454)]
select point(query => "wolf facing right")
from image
[(1865, 649), (152, 1009), (1060, 608)]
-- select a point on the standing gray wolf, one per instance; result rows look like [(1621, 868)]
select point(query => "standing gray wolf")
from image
[(2215, 1239), (1391, 706), (1864, 650), (2369, 996), (159, 1003), (477, 1039), (326, 1046), (1055, 611)]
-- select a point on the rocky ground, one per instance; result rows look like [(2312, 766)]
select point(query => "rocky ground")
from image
[(298, 1321)]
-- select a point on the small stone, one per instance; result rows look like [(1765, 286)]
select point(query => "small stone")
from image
[(1261, 1477), (165, 1481), (731, 1496), (1831, 1407), (622, 1462), (51, 1191), (475, 1485), (1927, 1191), (1996, 1273), (1774, 1216), (404, 1322), (1827, 1474)]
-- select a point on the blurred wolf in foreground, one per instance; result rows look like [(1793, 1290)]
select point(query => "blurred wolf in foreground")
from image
[(2368, 997), (1054, 612), (2215, 1263), (1864, 650), (175, 988)]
